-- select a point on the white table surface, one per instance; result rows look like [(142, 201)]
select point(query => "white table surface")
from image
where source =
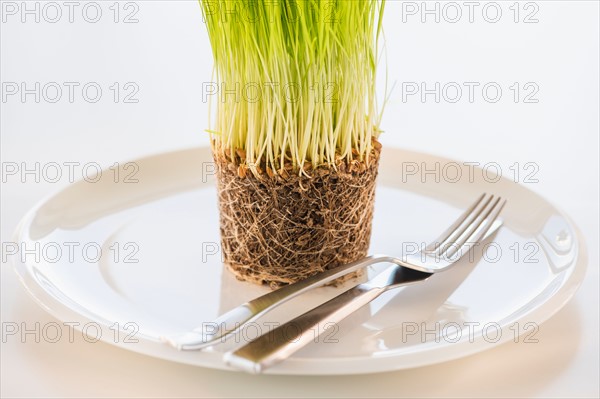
[(166, 54)]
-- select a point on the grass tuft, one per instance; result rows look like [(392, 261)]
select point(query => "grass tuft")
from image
[(296, 79)]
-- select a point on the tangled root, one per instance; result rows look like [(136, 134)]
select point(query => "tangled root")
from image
[(279, 227)]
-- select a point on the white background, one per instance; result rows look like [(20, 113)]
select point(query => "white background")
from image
[(167, 55)]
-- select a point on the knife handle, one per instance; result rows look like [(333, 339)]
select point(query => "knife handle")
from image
[(281, 342), (225, 325)]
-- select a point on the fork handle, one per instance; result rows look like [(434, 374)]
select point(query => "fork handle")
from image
[(280, 343)]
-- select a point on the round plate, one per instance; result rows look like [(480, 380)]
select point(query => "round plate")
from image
[(131, 255)]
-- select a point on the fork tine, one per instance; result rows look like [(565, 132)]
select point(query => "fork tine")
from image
[(477, 230), (458, 227), (434, 245), (471, 230)]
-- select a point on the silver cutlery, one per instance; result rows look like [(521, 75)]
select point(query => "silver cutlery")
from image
[(225, 326), (476, 224)]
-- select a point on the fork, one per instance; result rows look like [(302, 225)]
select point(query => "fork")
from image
[(478, 222), (226, 325)]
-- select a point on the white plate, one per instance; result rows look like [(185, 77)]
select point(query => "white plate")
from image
[(169, 218)]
